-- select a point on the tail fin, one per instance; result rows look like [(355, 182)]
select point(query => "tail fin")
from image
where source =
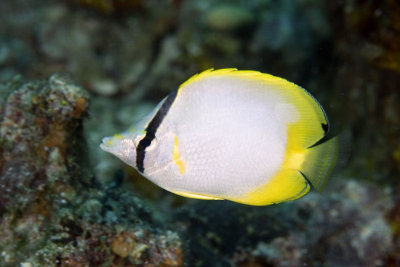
[(320, 163)]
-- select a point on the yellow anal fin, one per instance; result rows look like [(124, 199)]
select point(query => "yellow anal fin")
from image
[(197, 196), (286, 185)]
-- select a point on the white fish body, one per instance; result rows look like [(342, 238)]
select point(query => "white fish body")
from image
[(243, 136)]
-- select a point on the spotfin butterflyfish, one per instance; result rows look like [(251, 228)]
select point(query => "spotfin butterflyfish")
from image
[(243, 136)]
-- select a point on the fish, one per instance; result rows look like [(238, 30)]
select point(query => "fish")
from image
[(238, 135)]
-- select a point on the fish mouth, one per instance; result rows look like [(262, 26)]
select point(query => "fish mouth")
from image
[(121, 147), (106, 144), (111, 145)]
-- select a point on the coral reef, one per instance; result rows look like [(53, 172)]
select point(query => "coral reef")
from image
[(65, 203), (111, 7), (341, 230), (41, 136), (52, 210)]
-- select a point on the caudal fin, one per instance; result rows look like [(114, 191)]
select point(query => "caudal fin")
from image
[(320, 163)]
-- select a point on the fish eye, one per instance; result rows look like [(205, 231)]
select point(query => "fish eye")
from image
[(153, 144), (137, 140)]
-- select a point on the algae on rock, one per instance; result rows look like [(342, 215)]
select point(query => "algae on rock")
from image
[(53, 212)]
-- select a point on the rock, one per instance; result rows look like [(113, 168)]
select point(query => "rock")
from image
[(52, 211), (228, 18), (41, 137), (339, 228)]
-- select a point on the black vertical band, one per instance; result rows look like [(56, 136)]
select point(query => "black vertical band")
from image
[(152, 129)]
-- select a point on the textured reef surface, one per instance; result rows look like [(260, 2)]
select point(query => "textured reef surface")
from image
[(53, 213), (64, 202)]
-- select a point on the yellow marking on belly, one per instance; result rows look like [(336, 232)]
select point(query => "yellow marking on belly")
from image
[(177, 158)]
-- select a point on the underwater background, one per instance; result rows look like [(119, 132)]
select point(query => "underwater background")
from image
[(74, 71)]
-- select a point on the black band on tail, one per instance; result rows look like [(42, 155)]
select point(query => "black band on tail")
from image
[(327, 135)]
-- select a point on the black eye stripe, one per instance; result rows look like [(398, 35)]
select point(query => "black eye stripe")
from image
[(152, 129)]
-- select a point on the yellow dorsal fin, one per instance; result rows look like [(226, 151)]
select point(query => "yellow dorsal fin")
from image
[(312, 116)]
